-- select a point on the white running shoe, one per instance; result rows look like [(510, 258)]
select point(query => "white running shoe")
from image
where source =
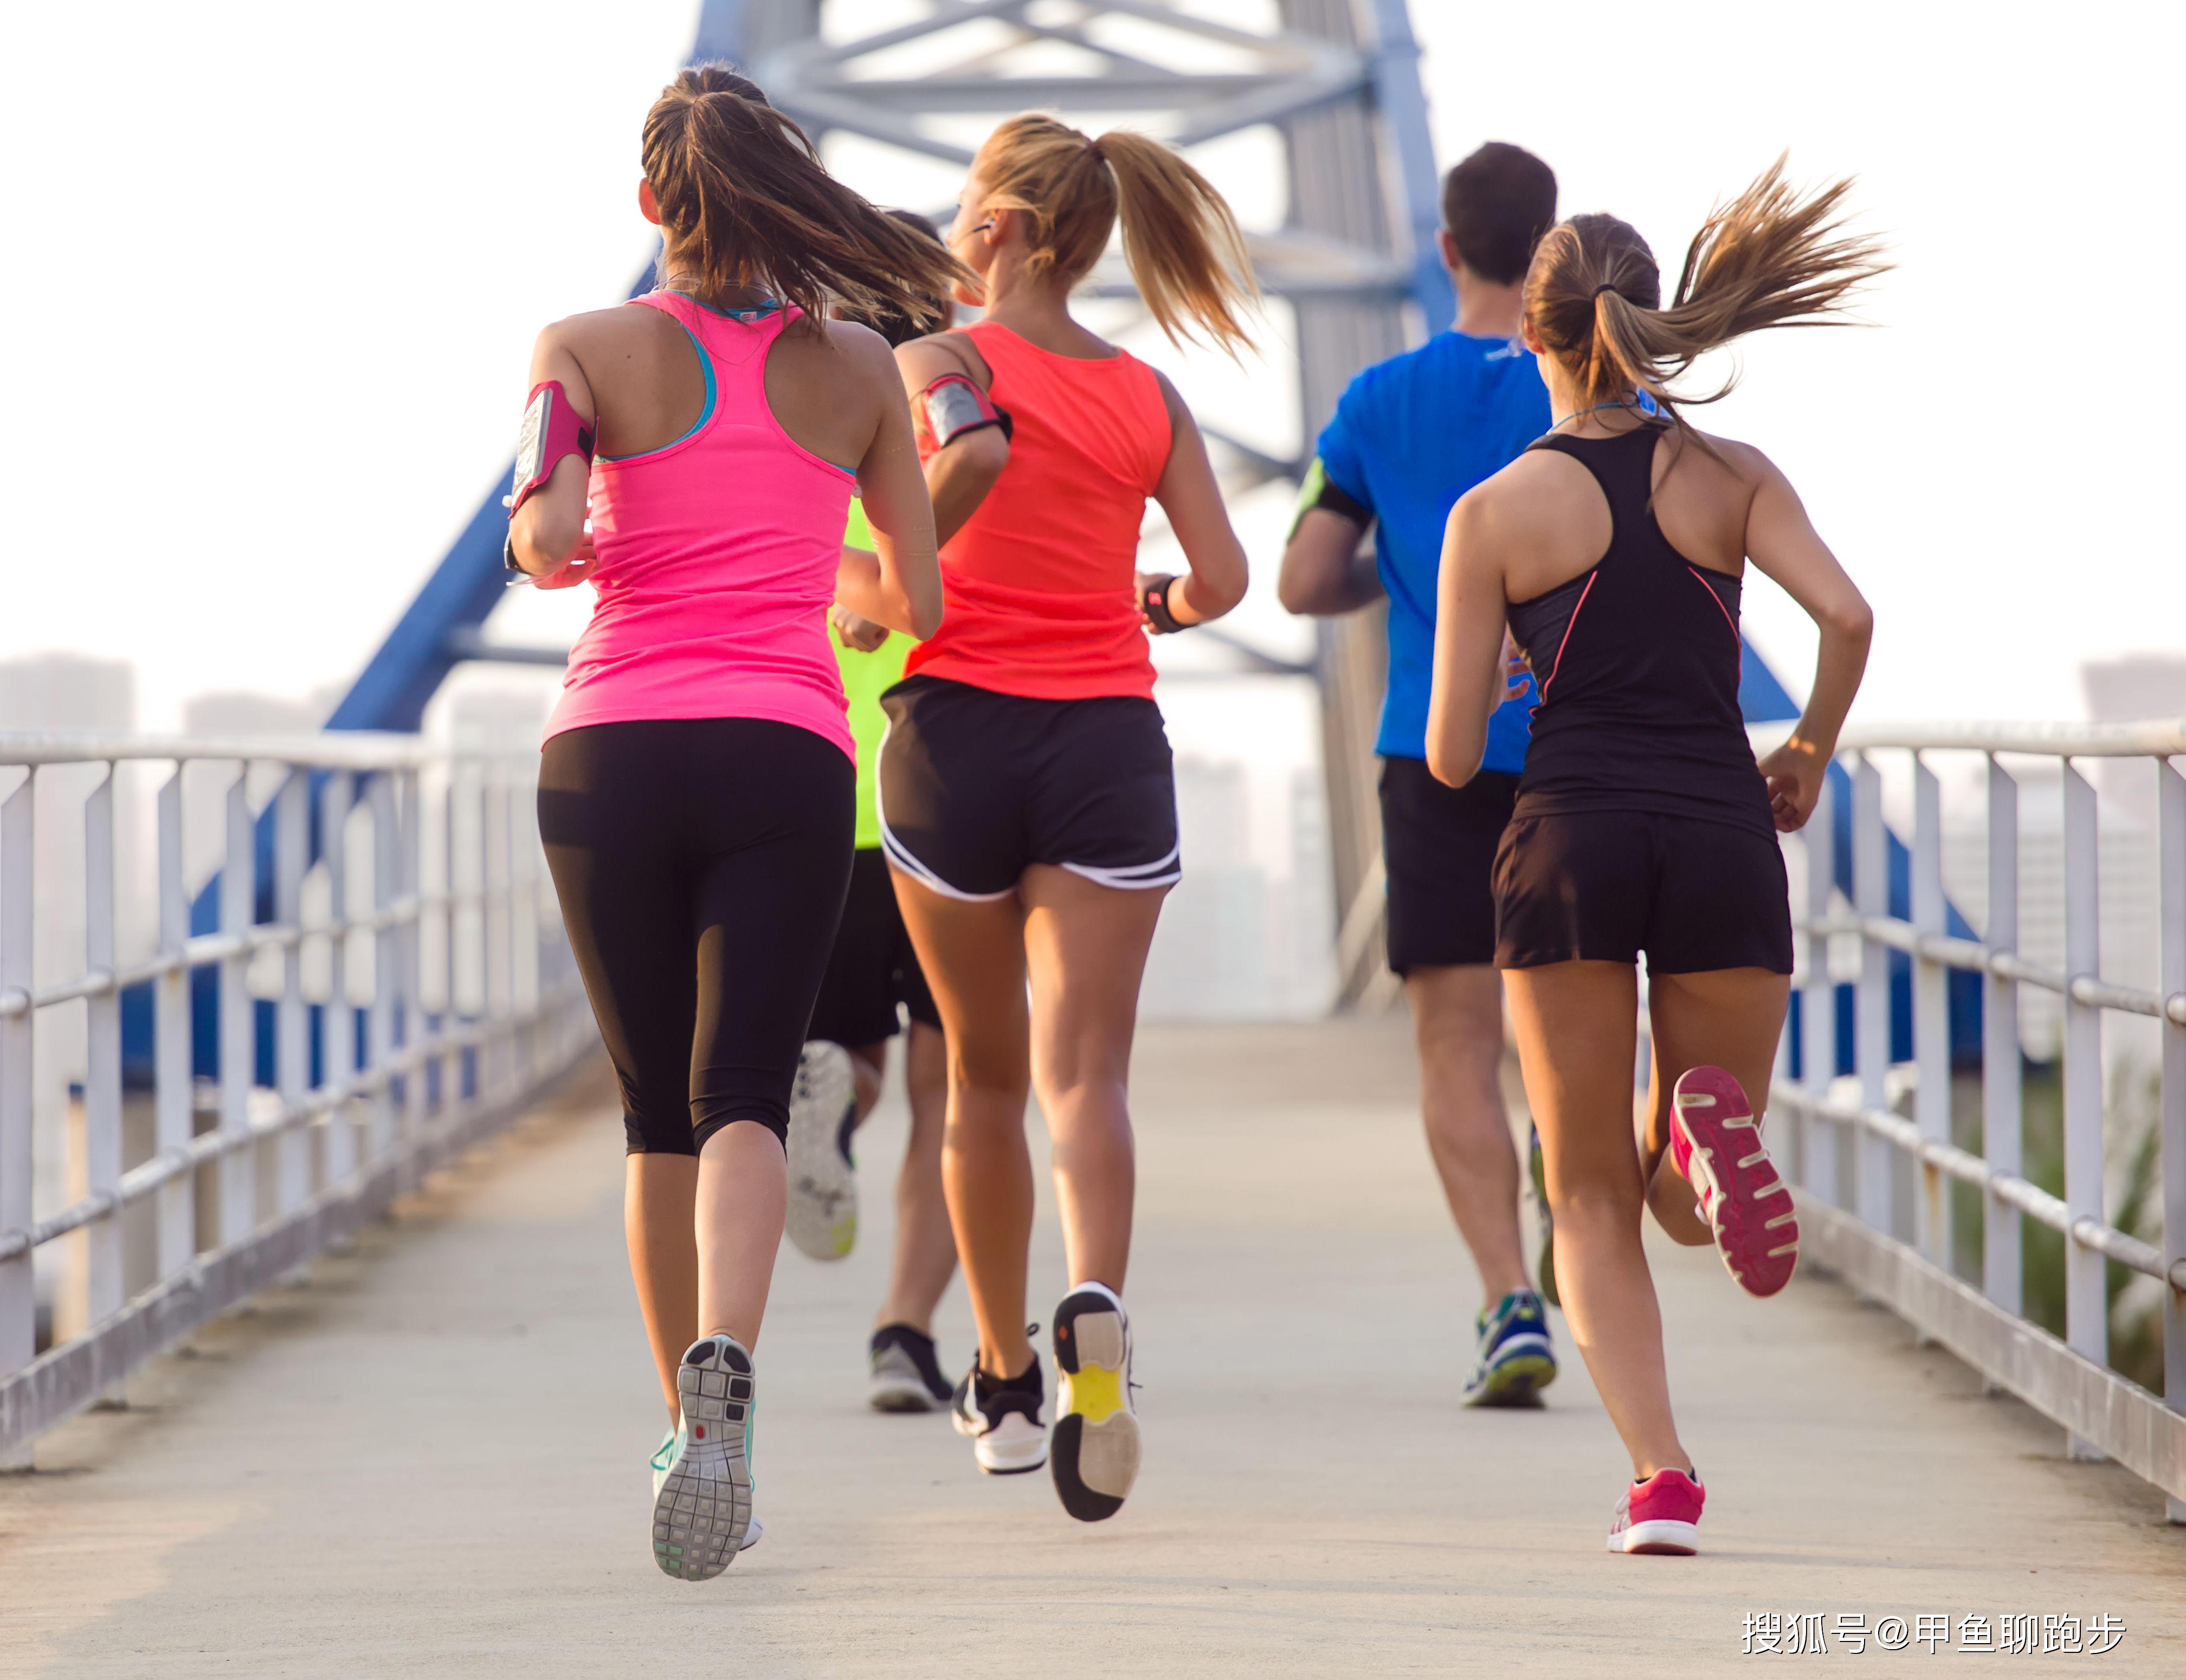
[(665, 1455), (823, 1185), (1095, 1457), (1002, 1419), (701, 1510)]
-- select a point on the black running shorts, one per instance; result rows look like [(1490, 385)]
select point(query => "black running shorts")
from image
[(1438, 845), (976, 787), (1601, 885), (872, 967)]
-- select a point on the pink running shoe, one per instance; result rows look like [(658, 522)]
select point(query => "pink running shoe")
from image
[(1716, 1143), (1661, 1515)]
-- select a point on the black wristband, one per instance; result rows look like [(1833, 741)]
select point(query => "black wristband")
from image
[(1153, 600), (508, 553)]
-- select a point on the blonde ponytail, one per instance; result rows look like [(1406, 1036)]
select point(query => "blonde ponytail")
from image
[(1771, 257), (1180, 241)]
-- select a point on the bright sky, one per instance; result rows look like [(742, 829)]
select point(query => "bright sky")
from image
[(276, 269)]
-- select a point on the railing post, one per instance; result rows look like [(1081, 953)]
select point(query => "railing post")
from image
[(2001, 1120), (1818, 1005), (386, 876), (493, 875), (238, 1177), (1870, 886), (172, 1118), (2171, 854), (411, 940), (2087, 1307), (1932, 1019), (292, 1059), (18, 1326), (338, 1052), (102, 1072)]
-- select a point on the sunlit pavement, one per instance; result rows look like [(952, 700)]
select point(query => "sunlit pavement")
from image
[(430, 1458)]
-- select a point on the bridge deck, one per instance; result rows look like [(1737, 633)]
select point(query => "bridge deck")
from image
[(430, 1459)]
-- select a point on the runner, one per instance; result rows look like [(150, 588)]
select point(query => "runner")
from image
[(696, 796), (1616, 546), (871, 974), (1027, 804), (1411, 436)]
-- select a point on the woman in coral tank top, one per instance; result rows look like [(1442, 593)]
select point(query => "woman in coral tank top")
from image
[(696, 796), (1027, 806)]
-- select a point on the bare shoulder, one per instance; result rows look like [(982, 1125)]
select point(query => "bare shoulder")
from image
[(947, 352), (1727, 458), (1526, 498), (596, 328)]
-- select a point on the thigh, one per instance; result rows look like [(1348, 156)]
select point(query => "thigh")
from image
[(1101, 798), (1438, 846), (606, 820), (972, 955), (1085, 952), (1577, 1024), (1457, 1013), (775, 815), (1728, 1018), (1574, 887), (1720, 899)]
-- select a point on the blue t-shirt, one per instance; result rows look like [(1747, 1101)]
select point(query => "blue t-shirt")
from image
[(1411, 436)]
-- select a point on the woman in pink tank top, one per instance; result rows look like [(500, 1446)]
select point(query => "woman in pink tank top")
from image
[(696, 795)]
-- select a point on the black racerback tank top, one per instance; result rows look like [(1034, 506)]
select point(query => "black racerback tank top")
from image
[(1636, 661)]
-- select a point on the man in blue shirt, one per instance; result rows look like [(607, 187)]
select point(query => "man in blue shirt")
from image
[(1411, 436)]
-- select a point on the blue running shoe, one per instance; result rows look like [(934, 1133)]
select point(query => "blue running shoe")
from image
[(1516, 1361)]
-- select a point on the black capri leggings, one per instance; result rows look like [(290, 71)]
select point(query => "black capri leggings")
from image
[(701, 865)]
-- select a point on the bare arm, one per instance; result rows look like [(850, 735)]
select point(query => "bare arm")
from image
[(1471, 677), (1192, 500), (546, 534), (958, 476), (1782, 543), (898, 585), (1326, 569)]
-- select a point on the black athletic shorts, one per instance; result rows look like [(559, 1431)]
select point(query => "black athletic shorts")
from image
[(872, 967), (1438, 845), (1604, 885), (976, 786)]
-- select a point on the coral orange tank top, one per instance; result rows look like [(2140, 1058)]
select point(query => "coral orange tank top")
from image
[(1039, 584)]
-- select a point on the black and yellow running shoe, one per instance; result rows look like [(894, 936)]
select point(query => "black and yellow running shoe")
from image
[(1094, 1451)]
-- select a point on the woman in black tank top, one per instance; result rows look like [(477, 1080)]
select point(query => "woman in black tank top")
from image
[(1614, 550)]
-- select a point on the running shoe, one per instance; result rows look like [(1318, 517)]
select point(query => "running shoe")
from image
[(1096, 1433), (906, 1376), (1517, 1360), (666, 1456), (702, 1509), (1716, 1143), (1546, 1272), (1002, 1419), (823, 1183), (1661, 1515)]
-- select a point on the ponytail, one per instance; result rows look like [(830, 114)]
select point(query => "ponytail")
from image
[(1769, 258), (744, 198), (1180, 241)]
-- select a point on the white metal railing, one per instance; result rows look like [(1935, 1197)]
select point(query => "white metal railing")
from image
[(1853, 1226), (443, 990)]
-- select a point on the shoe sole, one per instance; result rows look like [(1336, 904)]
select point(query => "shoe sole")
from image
[(899, 1394), (1515, 1383), (703, 1513), (1659, 1537), (1749, 1206), (1094, 1454), (822, 1219)]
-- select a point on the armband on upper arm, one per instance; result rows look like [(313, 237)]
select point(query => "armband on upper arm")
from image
[(953, 405), (552, 429), (1320, 490)]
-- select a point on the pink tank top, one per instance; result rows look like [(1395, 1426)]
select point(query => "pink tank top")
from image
[(716, 559)]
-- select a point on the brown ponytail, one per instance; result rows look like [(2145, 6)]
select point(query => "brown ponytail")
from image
[(1180, 241), (1769, 258), (745, 199)]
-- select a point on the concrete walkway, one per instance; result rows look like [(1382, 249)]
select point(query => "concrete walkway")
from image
[(430, 1460)]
